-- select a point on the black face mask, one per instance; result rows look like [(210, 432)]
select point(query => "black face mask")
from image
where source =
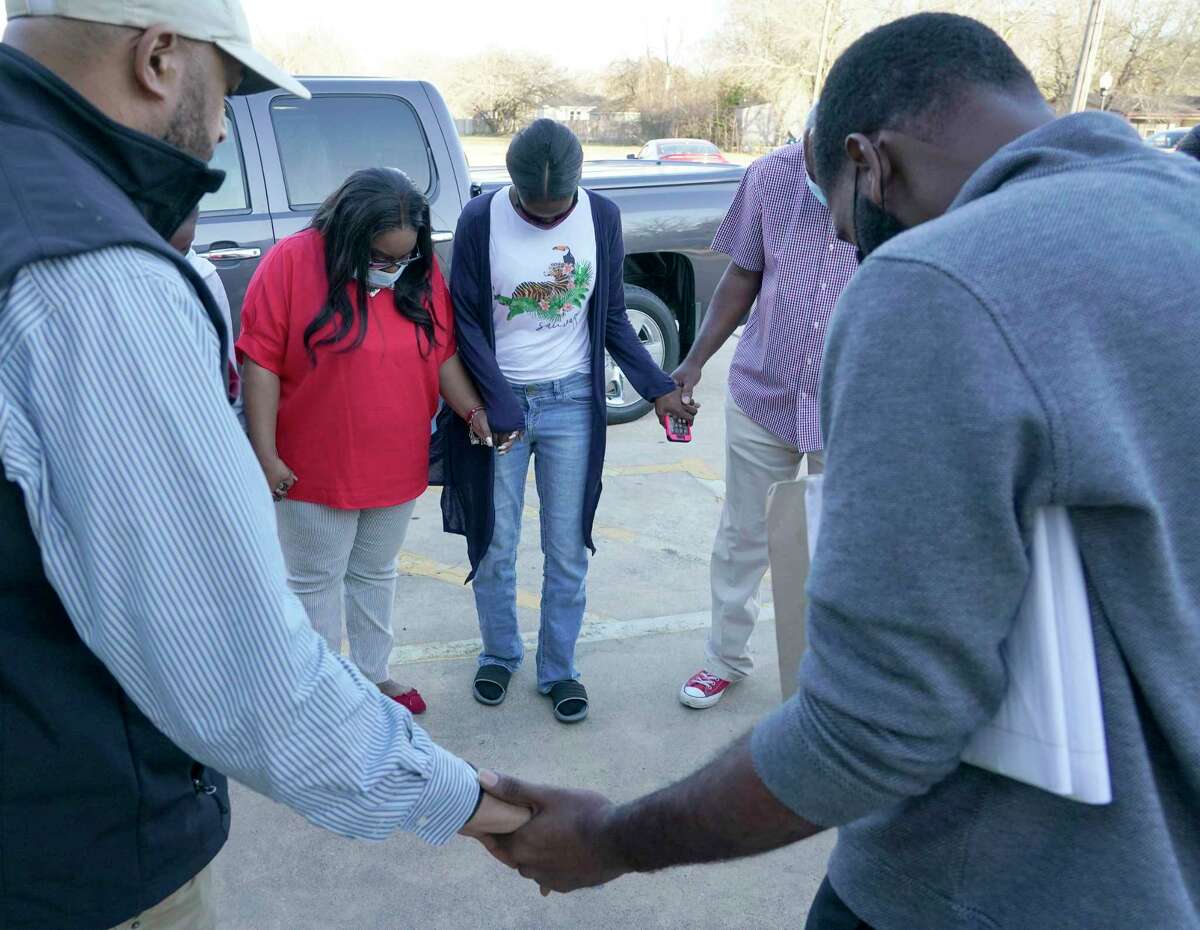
[(873, 226), (543, 222)]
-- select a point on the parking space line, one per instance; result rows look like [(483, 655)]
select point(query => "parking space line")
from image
[(409, 563), (593, 631), (626, 537), (412, 564), (697, 468), (617, 534)]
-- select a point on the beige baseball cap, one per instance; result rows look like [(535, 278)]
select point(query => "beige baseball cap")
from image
[(221, 22)]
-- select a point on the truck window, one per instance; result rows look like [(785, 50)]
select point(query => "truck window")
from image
[(324, 140), (232, 195)]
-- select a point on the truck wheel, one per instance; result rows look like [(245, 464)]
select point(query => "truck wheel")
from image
[(655, 325)]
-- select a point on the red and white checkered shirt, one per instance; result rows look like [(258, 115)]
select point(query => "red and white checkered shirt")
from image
[(777, 226)]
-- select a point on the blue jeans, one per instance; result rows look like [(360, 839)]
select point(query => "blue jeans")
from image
[(558, 431)]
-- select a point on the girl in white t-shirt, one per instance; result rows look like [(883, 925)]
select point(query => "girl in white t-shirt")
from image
[(538, 298)]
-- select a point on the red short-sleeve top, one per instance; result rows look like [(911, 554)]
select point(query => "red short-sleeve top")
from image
[(355, 426)]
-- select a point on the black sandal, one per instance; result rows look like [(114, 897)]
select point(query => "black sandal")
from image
[(491, 684), (570, 699)]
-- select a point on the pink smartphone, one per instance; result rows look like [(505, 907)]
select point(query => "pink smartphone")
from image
[(678, 429)]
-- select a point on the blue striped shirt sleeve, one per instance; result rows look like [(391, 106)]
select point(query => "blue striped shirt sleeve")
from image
[(158, 533)]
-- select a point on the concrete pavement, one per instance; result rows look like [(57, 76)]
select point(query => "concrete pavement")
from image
[(648, 602)]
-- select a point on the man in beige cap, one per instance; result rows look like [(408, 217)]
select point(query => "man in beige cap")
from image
[(149, 645)]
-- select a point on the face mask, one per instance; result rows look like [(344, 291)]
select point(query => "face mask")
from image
[(382, 279), (816, 191), (540, 222), (873, 226)]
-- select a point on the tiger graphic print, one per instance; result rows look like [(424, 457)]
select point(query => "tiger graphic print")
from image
[(561, 278), (565, 288)]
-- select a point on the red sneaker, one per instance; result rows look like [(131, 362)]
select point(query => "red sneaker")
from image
[(702, 690), (412, 700)]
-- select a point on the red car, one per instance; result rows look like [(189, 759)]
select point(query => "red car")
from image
[(693, 151)]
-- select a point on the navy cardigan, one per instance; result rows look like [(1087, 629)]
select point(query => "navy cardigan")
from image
[(467, 472)]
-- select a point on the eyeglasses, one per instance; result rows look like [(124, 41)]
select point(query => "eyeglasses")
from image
[(391, 264)]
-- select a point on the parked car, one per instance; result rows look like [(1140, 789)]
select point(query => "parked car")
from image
[(284, 155), (1168, 139), (695, 151)]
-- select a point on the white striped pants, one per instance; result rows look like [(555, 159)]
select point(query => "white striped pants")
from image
[(346, 559)]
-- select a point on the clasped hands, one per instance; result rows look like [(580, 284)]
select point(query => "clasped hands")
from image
[(481, 434), (556, 837)]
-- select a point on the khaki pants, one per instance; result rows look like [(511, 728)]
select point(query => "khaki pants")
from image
[(190, 908), (755, 459)]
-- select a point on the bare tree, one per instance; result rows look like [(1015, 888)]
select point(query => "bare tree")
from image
[(502, 89), (649, 86), (674, 101), (776, 52), (311, 52), (774, 46), (1151, 47)]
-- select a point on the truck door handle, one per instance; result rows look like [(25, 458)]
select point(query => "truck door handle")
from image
[(443, 235), (231, 255)]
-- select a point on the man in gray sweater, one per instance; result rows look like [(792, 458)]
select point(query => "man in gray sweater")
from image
[(995, 353)]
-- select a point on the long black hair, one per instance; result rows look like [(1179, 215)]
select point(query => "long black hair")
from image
[(370, 202)]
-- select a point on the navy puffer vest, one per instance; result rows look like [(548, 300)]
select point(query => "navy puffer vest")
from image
[(101, 816)]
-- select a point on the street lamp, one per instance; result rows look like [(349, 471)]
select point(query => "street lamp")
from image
[(1106, 83)]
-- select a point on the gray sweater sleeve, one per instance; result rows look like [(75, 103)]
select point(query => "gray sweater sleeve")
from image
[(937, 451)]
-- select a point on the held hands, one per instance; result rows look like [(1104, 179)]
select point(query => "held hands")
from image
[(495, 817), (482, 435), (481, 430), (687, 376), (563, 846), (677, 404), (280, 478), (505, 441)]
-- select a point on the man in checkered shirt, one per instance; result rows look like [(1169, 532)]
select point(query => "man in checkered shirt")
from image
[(786, 256)]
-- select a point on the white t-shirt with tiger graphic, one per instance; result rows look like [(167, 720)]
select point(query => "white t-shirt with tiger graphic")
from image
[(542, 280)]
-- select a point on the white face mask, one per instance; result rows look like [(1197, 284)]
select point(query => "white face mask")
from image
[(816, 190), (381, 280)]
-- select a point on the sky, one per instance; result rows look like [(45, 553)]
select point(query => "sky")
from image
[(573, 34), (585, 35)]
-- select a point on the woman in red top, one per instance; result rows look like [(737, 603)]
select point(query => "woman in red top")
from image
[(347, 342)]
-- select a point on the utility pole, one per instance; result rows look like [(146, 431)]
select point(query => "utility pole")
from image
[(822, 51), (1087, 56)]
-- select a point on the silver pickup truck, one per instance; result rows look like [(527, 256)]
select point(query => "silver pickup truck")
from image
[(284, 155)]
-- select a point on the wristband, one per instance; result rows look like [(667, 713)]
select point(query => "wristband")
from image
[(475, 411), (478, 800)]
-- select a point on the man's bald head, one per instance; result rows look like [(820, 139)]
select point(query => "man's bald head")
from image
[(68, 41)]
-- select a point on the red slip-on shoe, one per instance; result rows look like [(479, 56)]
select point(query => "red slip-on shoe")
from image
[(412, 700)]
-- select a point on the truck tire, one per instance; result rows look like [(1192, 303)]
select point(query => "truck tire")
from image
[(655, 325)]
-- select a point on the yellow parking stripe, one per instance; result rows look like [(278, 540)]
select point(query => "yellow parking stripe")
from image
[(418, 566), (697, 468)]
